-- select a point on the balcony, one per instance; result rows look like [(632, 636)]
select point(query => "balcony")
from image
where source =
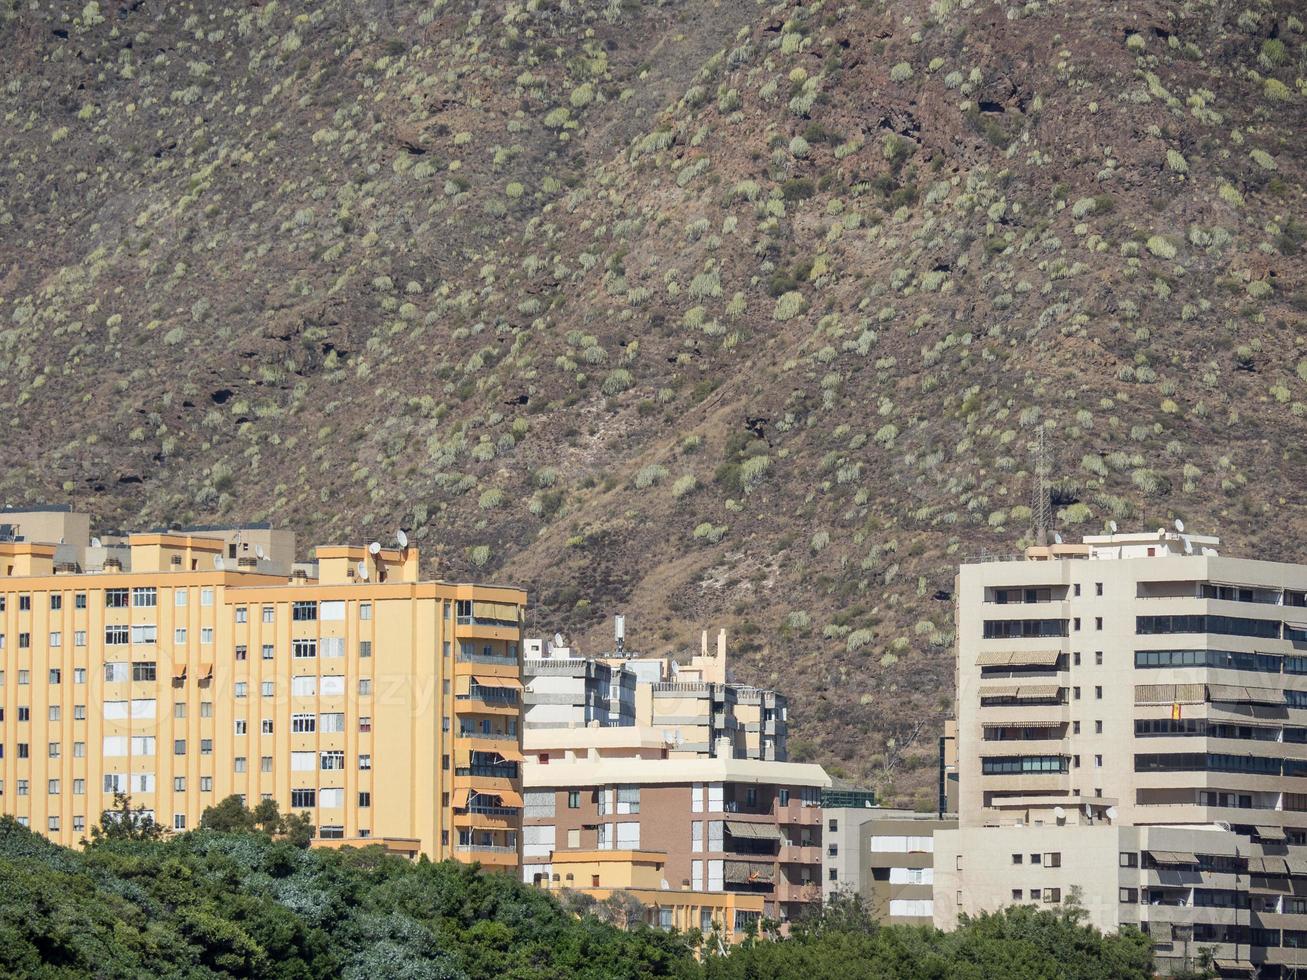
[(490, 736), (498, 855), (481, 658), (507, 770), (799, 854), (558, 667), (795, 812), (787, 891)]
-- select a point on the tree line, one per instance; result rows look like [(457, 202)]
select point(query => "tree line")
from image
[(243, 896)]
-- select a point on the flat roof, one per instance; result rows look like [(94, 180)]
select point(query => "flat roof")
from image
[(36, 509), (603, 772)]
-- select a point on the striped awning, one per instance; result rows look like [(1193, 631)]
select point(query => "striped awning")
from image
[(1297, 866), (1276, 866), (1270, 833), (1023, 723), (1038, 691), (501, 611), (1234, 966), (1172, 858), (508, 797), (999, 691), (1018, 658), (1244, 695), (754, 831), (490, 680)]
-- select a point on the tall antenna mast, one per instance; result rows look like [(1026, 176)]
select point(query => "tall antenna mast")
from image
[(1041, 505)]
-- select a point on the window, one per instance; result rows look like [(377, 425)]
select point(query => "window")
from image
[(628, 799), (79, 675), (56, 639), (365, 798), (304, 649), (242, 652), (145, 634), (79, 787), (206, 784), (330, 797), (116, 671), (333, 759), (56, 602), (1128, 896), (115, 598), (179, 598), (333, 646), (241, 689), (302, 723), (179, 746), (573, 799), (206, 597), (1053, 859), (242, 614), (241, 725), (144, 597), (1098, 728), (206, 634), (179, 636), (79, 712), (303, 797), (333, 685), (267, 688), (265, 726), (1016, 858), (1075, 658), (365, 723), (240, 763), (268, 614), (303, 687), (55, 712), (365, 761), (365, 685), (179, 821), (1098, 658), (1098, 625), (1075, 693), (267, 651), (53, 750), (332, 721), (365, 610), (1098, 692), (365, 648), (144, 670), (265, 763), (303, 610), (206, 746), (113, 636), (206, 709), (56, 675)]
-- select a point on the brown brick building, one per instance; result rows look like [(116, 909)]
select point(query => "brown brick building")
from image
[(735, 825)]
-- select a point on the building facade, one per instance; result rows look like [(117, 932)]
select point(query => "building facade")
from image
[(725, 825), (1141, 683), (381, 705)]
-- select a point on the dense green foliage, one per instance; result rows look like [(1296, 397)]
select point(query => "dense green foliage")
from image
[(211, 904)]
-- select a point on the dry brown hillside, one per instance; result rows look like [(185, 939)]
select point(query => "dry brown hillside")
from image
[(711, 312)]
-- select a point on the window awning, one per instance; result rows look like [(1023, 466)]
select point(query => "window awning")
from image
[(509, 754), (458, 798), (179, 672), (484, 680), (1039, 691), (1161, 932), (1271, 833), (508, 797), (1018, 658), (1233, 966), (754, 831), (748, 872), (1004, 691), (1297, 866), (1172, 858), (1268, 866), (1023, 723), (503, 611), (1244, 695), (206, 672)]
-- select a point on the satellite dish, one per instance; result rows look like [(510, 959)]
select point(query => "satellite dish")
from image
[(258, 550), (1059, 812), (1188, 546), (558, 640), (1161, 532), (1111, 813), (374, 548), (95, 542), (218, 563), (402, 538), (362, 570), (1179, 525), (1111, 526), (1057, 537)]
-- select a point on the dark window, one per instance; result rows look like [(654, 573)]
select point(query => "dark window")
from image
[(303, 797), (115, 598), (1017, 628), (1223, 625), (302, 610), (1225, 659)]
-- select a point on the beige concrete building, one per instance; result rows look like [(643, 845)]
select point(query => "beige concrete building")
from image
[(641, 875), (1136, 684), (382, 705), (725, 825)]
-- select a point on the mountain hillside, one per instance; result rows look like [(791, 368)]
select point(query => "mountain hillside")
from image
[(710, 312)]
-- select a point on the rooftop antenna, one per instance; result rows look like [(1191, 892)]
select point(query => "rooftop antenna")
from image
[(1041, 506), (619, 632)]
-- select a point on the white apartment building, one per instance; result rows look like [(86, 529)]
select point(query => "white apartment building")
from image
[(1132, 720)]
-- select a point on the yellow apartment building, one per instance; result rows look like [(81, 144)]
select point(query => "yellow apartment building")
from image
[(384, 706)]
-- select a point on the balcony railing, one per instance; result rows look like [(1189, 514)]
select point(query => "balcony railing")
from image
[(481, 658), (507, 770), (490, 811), (482, 621), (493, 736), (489, 695), (485, 848)]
